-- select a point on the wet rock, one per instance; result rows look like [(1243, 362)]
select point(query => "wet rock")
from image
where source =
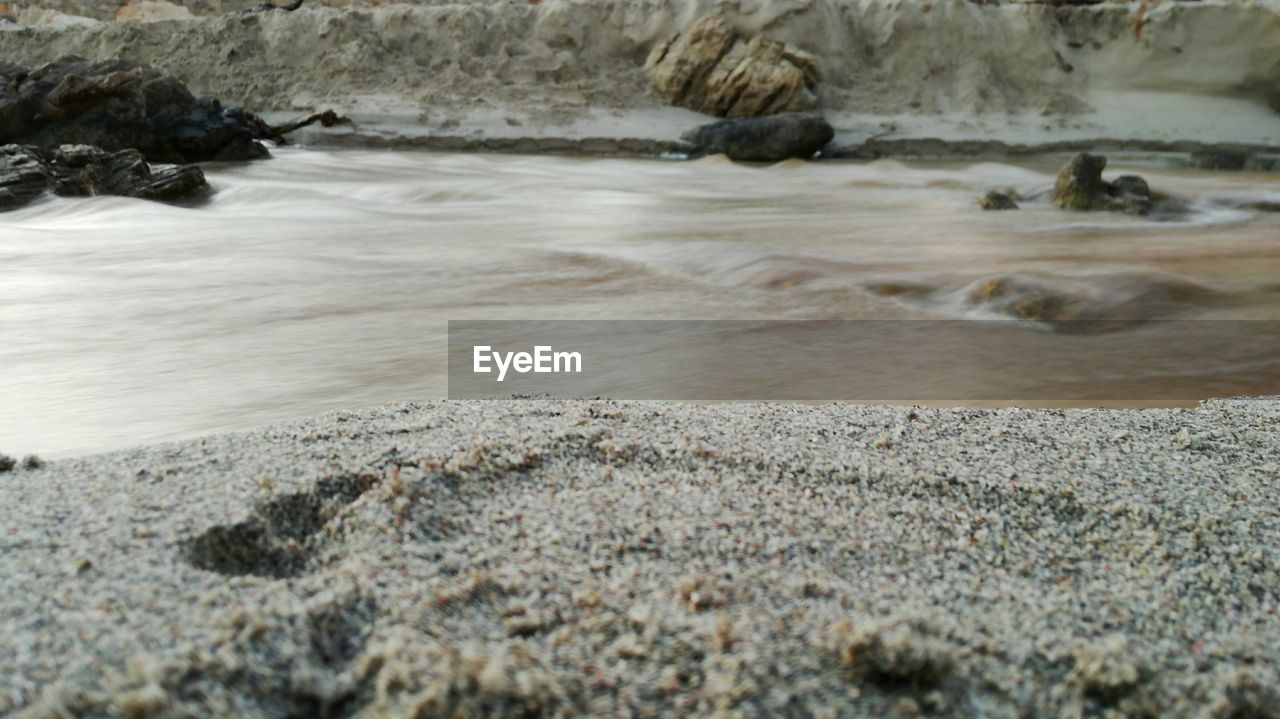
[(1219, 159), (23, 176), (1086, 304), (118, 105), (995, 200), (1131, 185), (1080, 187), (710, 69), (762, 139), (79, 171)]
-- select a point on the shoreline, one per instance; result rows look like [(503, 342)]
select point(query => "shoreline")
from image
[(455, 556), (945, 79)]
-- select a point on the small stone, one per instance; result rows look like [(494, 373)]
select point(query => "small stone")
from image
[(997, 201)]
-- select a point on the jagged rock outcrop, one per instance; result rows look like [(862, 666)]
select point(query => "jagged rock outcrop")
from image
[(118, 105), (28, 172), (710, 69), (1080, 187), (762, 139)]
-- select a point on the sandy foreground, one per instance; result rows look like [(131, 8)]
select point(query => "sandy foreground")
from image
[(593, 558)]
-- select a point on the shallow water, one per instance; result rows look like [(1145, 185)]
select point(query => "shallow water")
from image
[(324, 279)]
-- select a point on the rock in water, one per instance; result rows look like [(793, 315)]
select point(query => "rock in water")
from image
[(119, 105), (762, 139), (997, 201), (23, 176), (79, 171), (711, 70), (1080, 187)]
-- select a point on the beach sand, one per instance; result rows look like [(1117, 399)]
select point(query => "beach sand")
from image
[(593, 558)]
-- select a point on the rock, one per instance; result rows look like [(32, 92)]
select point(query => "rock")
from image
[(1274, 99), (48, 19), (1219, 159), (997, 201), (153, 11), (23, 176), (119, 105), (1086, 304), (762, 139), (1132, 185), (711, 70), (80, 171), (1080, 187)]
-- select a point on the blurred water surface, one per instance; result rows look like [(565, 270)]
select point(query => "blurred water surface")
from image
[(324, 279)]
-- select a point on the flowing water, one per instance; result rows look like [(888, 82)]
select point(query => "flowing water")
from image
[(324, 279)]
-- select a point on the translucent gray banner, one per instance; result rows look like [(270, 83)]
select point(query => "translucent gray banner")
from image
[(878, 360)]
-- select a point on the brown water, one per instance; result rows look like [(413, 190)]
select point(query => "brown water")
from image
[(321, 279)]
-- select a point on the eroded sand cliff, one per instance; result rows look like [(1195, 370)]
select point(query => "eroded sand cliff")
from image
[(952, 70)]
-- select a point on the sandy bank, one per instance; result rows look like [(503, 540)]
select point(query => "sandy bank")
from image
[(546, 558), (952, 71)]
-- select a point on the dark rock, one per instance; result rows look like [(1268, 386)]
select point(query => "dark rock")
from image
[(762, 139), (23, 176), (119, 105), (1131, 185), (1219, 159), (997, 201), (81, 171), (1080, 187)]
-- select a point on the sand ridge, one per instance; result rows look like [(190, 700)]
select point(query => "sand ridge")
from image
[(593, 558)]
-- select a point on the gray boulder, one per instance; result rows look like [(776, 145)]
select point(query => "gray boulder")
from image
[(762, 139)]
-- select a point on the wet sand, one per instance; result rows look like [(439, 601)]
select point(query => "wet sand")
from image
[(541, 558)]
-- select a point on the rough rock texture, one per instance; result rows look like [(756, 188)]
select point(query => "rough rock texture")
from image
[(604, 559), (711, 70), (118, 105), (153, 11), (995, 200), (27, 172), (762, 139), (1080, 187)]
